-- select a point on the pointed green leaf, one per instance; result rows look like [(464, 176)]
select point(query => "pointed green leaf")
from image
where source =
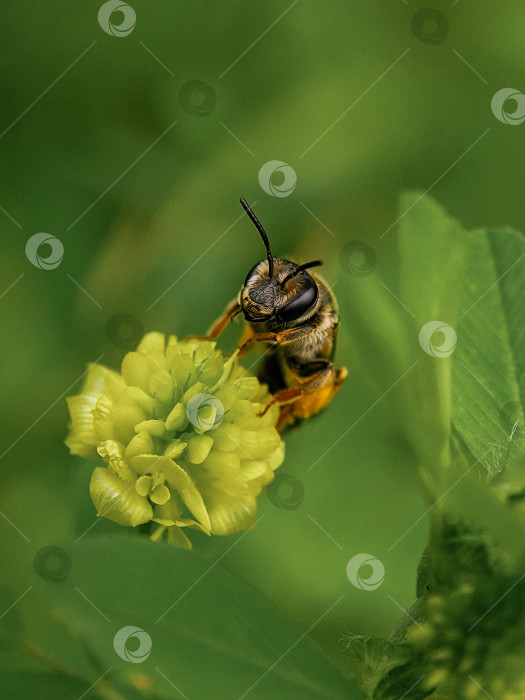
[(489, 364)]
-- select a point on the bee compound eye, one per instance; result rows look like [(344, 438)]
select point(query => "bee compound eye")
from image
[(301, 304)]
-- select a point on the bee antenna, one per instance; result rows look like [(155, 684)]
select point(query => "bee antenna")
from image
[(261, 230), (305, 266)]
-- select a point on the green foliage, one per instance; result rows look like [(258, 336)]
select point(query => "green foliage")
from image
[(489, 366), (463, 417), (199, 616)]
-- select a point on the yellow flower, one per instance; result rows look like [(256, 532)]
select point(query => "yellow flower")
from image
[(179, 432)]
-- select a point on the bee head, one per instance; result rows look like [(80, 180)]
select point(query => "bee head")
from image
[(277, 289)]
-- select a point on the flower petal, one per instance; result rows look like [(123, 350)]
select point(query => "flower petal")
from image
[(227, 395), (126, 414), (248, 387), (202, 349), (199, 448), (112, 452), (117, 500), (148, 464), (259, 444), (173, 348), (82, 437), (141, 398), (242, 412), (140, 444), (177, 537), (267, 421), (162, 387), (181, 369), (227, 437), (252, 469), (211, 369), (228, 513), (222, 465), (143, 485), (152, 342), (175, 449), (196, 388), (97, 380), (103, 419), (178, 479), (160, 495), (276, 458), (177, 419), (156, 428), (137, 369)]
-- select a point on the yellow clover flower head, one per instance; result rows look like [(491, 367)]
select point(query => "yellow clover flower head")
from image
[(180, 434)]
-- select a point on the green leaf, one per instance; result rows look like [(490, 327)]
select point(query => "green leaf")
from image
[(434, 251), (212, 635), (489, 363), (385, 323)]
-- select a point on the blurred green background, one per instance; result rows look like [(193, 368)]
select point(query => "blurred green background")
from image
[(99, 149)]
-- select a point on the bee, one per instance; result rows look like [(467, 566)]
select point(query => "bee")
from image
[(294, 312)]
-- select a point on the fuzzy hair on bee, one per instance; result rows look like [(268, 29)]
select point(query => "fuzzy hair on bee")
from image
[(294, 312)]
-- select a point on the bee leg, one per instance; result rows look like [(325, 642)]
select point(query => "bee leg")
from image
[(232, 310), (317, 373), (311, 396), (249, 339), (289, 335), (284, 397)]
